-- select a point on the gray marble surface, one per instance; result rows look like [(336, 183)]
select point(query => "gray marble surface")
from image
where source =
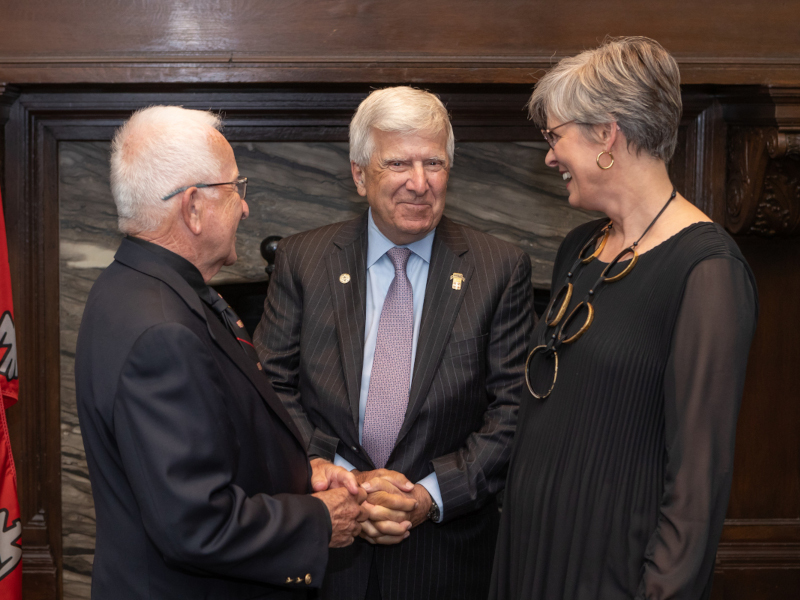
[(501, 188)]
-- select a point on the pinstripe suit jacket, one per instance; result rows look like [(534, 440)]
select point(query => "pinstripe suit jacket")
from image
[(462, 408)]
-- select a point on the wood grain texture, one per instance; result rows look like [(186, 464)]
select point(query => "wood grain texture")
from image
[(717, 41)]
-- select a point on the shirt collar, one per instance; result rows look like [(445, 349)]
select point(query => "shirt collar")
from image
[(177, 263), (378, 244)]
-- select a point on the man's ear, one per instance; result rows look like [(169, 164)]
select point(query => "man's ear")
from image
[(358, 177), (192, 210)]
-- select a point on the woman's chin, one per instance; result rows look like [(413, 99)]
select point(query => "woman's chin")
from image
[(574, 201)]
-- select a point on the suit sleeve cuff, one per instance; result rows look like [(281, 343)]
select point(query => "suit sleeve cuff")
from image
[(322, 445), (342, 462), (431, 483)]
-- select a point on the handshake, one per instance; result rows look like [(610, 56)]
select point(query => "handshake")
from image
[(381, 506)]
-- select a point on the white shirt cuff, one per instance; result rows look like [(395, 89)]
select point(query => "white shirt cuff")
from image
[(431, 483), (341, 462)]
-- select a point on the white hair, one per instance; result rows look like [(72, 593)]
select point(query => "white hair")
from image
[(157, 151), (399, 109)]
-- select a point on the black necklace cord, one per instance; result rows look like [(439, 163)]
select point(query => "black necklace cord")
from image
[(557, 339), (653, 222)]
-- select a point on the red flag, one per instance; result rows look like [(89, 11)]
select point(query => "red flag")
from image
[(10, 523)]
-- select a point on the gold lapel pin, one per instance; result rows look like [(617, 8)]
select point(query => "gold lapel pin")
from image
[(457, 279), (344, 278)]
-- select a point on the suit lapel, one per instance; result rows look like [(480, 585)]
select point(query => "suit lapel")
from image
[(449, 255), (349, 303), (138, 258), (228, 344)]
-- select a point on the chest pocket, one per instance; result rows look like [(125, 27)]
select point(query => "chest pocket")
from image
[(462, 347)]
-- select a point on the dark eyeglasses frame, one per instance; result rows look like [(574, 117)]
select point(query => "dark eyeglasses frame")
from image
[(553, 139), (240, 183)]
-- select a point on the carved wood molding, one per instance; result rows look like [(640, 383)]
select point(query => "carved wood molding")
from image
[(244, 68), (759, 544), (763, 171), (784, 143), (763, 184)]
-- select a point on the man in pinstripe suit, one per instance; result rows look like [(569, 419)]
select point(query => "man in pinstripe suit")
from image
[(468, 325)]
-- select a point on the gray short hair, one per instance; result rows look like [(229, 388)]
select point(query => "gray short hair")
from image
[(158, 150), (631, 80), (399, 109)]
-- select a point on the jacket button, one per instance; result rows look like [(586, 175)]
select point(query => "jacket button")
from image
[(308, 578), (354, 449)]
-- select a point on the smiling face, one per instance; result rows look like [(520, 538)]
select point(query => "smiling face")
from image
[(405, 183), (574, 155)]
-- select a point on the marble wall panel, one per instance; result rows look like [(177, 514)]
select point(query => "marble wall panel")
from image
[(501, 188)]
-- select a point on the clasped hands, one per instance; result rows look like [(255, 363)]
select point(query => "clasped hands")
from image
[(381, 506)]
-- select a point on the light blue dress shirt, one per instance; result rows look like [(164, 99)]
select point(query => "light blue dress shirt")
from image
[(380, 273)]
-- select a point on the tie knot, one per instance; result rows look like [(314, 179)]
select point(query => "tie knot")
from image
[(399, 258), (215, 300)]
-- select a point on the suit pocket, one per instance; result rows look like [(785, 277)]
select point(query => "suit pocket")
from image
[(468, 346)]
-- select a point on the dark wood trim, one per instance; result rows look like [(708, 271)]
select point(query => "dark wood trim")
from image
[(32, 228), (760, 544), (230, 67)]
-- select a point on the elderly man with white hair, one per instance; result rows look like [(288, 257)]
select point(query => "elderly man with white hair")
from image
[(397, 341), (201, 483)]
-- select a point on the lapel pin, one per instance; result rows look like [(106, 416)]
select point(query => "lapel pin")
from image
[(344, 278), (260, 368), (457, 279), (240, 324)]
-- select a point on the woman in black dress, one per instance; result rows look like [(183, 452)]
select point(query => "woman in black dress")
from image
[(621, 469)]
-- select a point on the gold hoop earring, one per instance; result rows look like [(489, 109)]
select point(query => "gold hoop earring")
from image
[(601, 166)]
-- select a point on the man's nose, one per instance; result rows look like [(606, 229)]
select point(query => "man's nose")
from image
[(417, 180), (245, 210)]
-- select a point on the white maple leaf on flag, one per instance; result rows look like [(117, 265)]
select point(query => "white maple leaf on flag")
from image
[(10, 546), (8, 347)]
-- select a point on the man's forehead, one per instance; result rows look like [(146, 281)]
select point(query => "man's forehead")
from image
[(412, 143)]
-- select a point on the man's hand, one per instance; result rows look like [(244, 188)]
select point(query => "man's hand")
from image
[(325, 475), (388, 509), (397, 479), (424, 503), (393, 513), (346, 513)]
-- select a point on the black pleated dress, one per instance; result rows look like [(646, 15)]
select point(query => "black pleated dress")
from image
[(619, 480)]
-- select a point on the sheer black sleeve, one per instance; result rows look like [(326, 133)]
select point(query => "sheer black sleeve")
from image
[(703, 386)]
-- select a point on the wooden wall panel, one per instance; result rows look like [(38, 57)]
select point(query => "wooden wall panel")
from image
[(715, 41)]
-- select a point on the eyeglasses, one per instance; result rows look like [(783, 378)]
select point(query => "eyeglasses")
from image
[(552, 138), (240, 183)]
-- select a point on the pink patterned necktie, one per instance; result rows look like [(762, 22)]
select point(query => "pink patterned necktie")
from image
[(390, 379)]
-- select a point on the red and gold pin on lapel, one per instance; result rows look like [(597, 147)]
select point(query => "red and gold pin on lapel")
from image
[(344, 278), (457, 279)]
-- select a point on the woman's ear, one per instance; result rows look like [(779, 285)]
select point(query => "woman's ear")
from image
[(607, 133)]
